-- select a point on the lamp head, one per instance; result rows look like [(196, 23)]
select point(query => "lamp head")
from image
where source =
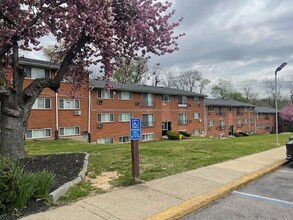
[(281, 66)]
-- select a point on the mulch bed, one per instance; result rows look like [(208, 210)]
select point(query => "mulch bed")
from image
[(66, 167)]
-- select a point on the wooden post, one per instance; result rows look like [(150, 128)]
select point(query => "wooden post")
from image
[(135, 159)]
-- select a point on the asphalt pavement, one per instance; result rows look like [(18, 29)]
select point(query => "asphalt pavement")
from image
[(171, 197)]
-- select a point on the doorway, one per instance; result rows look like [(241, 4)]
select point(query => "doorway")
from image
[(166, 126)]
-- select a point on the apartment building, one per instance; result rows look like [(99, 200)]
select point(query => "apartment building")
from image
[(265, 120), (55, 115), (98, 115), (160, 109), (226, 117)]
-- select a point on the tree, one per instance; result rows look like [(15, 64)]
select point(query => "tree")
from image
[(53, 53), (131, 72), (247, 88), (92, 32), (222, 88), (269, 88), (287, 114), (202, 84), (188, 80)]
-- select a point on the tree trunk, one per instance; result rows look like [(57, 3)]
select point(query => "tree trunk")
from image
[(12, 136)]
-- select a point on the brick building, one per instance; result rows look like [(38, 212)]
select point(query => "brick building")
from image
[(265, 120), (101, 116), (225, 117), (160, 109)]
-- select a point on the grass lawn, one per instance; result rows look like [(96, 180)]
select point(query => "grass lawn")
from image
[(159, 158)]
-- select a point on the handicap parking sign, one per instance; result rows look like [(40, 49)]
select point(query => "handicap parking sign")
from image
[(135, 128)]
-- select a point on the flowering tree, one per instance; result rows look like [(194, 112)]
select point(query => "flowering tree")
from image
[(287, 114), (91, 31)]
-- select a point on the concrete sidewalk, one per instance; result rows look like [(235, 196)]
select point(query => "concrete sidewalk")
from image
[(174, 196)]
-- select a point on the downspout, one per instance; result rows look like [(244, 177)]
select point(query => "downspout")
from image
[(89, 114), (57, 117), (205, 118), (249, 120)]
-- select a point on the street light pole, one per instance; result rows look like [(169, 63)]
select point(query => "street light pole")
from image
[(276, 99)]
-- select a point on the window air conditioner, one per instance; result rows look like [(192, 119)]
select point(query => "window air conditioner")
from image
[(99, 125), (77, 113)]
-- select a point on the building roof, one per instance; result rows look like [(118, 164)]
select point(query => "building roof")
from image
[(223, 102), (38, 63), (261, 109), (131, 87)]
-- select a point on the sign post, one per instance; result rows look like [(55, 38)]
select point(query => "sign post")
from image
[(135, 137)]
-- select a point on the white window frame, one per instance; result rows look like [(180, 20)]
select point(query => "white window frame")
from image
[(222, 124), (37, 130), (147, 99), (145, 136), (75, 105), (120, 117), (196, 99), (36, 73), (123, 96), (43, 100), (166, 98), (150, 122), (196, 115), (105, 94), (110, 140), (103, 119), (211, 123), (182, 120), (196, 133), (75, 128), (122, 138), (211, 108)]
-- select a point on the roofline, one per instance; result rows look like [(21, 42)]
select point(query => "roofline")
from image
[(38, 63)]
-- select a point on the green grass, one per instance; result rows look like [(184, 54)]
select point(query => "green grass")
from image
[(159, 158)]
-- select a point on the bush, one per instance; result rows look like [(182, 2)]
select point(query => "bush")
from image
[(174, 135), (44, 181), (185, 134), (26, 190), (236, 134), (10, 175), (243, 134)]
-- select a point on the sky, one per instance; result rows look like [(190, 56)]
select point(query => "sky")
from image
[(233, 40)]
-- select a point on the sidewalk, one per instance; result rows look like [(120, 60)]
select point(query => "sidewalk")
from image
[(171, 197)]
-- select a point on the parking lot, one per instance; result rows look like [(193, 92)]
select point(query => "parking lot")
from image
[(270, 197)]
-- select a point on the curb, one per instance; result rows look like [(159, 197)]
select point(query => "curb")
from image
[(55, 195), (193, 204)]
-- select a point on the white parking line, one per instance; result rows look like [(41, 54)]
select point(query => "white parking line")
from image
[(263, 198)]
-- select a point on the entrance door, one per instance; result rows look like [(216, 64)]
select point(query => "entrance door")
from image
[(231, 130), (166, 126)]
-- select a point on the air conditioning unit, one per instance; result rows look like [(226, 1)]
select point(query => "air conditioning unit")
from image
[(100, 102), (99, 125), (78, 113), (189, 105), (136, 103)]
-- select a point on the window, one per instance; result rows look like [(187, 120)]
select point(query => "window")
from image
[(196, 131), (182, 100), (239, 111), (210, 108), (196, 99), (221, 124), (182, 119), (125, 117), (147, 120), (67, 131), (230, 109), (38, 133), (106, 117), (42, 103), (147, 99), (125, 95), (221, 110), (69, 104), (105, 140), (248, 120), (35, 73), (166, 98), (196, 115), (148, 137), (211, 123), (239, 123), (105, 94), (124, 139)]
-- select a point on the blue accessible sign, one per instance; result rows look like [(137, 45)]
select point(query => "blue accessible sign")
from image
[(135, 128)]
